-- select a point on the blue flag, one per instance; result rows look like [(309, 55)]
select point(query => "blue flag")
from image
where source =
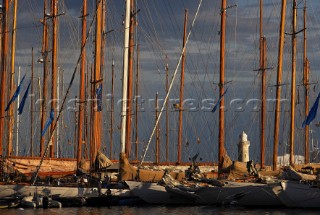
[(216, 106), (16, 93), (49, 121), (24, 98), (312, 113), (99, 97)]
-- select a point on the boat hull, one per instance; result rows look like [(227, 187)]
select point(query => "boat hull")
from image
[(296, 195), (60, 191), (246, 194), (154, 193)]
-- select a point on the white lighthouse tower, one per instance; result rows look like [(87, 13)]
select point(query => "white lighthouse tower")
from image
[(243, 148)]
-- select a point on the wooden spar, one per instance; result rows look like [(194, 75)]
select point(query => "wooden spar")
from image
[(136, 100), (102, 64), (103, 36), (221, 87), (4, 54), (82, 98), (279, 79), (263, 97), (130, 80), (157, 131), (293, 80), (263, 92), (261, 28), (11, 84), (54, 13), (167, 114), (45, 48), (32, 105), (97, 115), (183, 59), (112, 109), (306, 81)]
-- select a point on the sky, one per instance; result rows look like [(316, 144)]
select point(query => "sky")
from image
[(159, 35)]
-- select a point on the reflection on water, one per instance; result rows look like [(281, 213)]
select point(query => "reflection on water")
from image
[(155, 210)]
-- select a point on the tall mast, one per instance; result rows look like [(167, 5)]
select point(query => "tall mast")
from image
[(4, 53), (183, 60), (82, 82), (263, 87), (293, 80), (102, 61), (222, 66), (54, 13), (157, 131), (136, 109), (279, 79), (32, 105), (306, 80), (263, 97), (125, 79), (45, 47), (167, 114), (112, 109), (97, 81), (11, 86), (130, 78)]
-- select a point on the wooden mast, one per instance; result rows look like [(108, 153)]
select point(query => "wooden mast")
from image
[(97, 82), (45, 47), (157, 131), (221, 85), (137, 106), (82, 82), (102, 65), (4, 53), (11, 85), (167, 114), (306, 80), (130, 80), (293, 80), (263, 58), (54, 13), (263, 97), (112, 109), (32, 105), (278, 85), (183, 59)]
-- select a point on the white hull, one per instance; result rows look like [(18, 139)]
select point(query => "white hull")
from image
[(27, 190), (294, 194), (153, 193), (246, 194)]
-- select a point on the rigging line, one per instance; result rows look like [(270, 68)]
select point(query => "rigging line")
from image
[(64, 99), (171, 84)]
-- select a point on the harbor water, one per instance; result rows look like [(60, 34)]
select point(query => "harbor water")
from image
[(155, 210)]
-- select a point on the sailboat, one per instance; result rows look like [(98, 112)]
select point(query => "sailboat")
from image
[(216, 191), (56, 177)]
